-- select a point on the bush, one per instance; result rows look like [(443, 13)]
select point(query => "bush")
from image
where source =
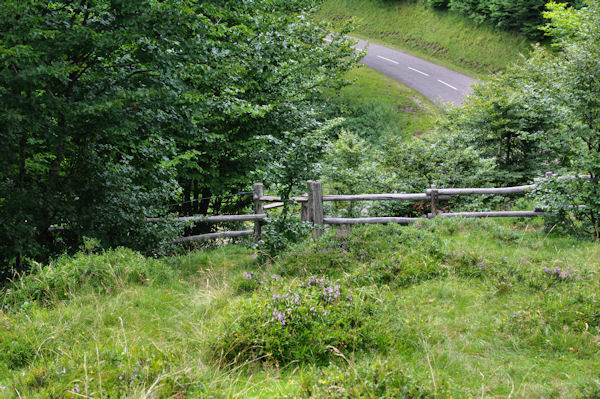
[(301, 320), (279, 233), (525, 16), (571, 205), (439, 4)]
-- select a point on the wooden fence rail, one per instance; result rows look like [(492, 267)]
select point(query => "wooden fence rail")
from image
[(311, 208)]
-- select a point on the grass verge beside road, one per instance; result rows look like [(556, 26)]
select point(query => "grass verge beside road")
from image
[(378, 107), (439, 36)]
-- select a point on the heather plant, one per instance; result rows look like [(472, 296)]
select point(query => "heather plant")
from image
[(298, 321)]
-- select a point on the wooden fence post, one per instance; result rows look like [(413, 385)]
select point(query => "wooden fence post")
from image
[(304, 211), (309, 203), (315, 206), (258, 209), (435, 200)]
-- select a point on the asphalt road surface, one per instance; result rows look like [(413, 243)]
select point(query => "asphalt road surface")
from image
[(437, 83)]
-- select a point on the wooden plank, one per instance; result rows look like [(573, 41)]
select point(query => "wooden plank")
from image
[(501, 190), (212, 219), (304, 212), (215, 235), (258, 210), (500, 214), (376, 197), (273, 205), (272, 198)]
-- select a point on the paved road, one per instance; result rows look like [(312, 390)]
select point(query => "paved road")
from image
[(435, 82)]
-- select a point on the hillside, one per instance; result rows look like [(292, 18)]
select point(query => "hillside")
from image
[(439, 36), (441, 309)]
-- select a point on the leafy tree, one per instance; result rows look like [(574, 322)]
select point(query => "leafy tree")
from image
[(544, 114), (511, 120), (110, 108), (275, 61), (573, 73)]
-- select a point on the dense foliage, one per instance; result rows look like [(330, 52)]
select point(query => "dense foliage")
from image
[(111, 110), (524, 16), (544, 114)]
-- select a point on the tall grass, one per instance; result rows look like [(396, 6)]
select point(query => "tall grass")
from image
[(440, 36)]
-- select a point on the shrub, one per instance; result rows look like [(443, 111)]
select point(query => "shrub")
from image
[(571, 205), (439, 4), (279, 233), (299, 321)]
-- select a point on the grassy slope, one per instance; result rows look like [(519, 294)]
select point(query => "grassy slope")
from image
[(442, 37), (460, 331), (376, 107)]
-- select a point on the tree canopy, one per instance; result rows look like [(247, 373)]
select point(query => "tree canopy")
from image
[(112, 110)]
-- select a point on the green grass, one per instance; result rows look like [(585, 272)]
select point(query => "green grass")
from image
[(464, 308), (439, 36), (378, 107)]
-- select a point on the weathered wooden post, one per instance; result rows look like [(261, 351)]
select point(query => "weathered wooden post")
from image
[(309, 202), (432, 193), (315, 206), (259, 209), (304, 211)]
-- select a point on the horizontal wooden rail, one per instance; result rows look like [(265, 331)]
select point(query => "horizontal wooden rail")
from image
[(375, 197), (499, 214), (213, 219), (273, 198), (274, 205), (501, 190), (215, 235), (369, 220)]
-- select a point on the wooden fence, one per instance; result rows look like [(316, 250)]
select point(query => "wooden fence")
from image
[(312, 210)]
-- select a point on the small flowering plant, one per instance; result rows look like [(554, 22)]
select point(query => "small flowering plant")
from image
[(297, 320), (251, 280), (313, 299), (557, 273)]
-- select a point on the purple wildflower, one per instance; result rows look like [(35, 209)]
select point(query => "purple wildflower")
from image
[(279, 316), (482, 265)]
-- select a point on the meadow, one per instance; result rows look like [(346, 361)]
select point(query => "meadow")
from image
[(445, 308)]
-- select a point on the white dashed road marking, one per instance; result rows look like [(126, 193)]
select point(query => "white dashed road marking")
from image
[(449, 85), (417, 71), (387, 59)]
